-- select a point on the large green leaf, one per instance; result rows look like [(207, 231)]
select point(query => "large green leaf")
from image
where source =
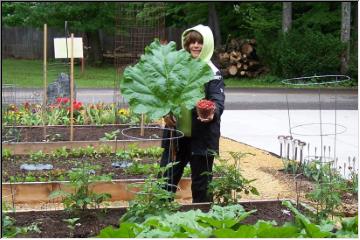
[(164, 80)]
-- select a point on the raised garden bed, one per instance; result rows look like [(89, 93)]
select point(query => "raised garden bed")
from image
[(61, 132), (38, 192), (25, 139), (92, 221), (22, 182)]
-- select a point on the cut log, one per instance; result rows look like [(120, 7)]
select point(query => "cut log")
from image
[(235, 57), (242, 73), (245, 67), (238, 65), (246, 48), (232, 69)]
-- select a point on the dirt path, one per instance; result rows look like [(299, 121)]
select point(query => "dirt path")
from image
[(264, 168)]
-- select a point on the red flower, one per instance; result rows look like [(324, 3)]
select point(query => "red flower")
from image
[(77, 105), (62, 100), (27, 105)]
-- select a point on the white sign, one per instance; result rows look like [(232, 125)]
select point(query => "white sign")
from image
[(60, 47)]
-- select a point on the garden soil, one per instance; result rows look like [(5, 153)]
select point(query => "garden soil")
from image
[(261, 165)]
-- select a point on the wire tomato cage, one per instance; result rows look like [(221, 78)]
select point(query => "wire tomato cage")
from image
[(323, 129)]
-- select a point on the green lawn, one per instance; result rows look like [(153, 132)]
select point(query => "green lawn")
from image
[(29, 74)]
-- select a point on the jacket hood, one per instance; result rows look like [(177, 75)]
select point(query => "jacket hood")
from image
[(208, 41)]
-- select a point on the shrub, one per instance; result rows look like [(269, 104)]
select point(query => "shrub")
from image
[(297, 54)]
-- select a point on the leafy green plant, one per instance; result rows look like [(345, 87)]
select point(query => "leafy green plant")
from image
[(105, 150), (164, 81), (80, 179), (227, 188), (37, 156), (61, 153), (110, 136), (152, 198), (141, 169), (290, 166), (71, 224), (9, 228), (6, 154), (327, 196)]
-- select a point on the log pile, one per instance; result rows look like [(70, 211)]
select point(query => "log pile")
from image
[(238, 59)]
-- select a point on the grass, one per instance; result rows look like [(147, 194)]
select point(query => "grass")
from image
[(29, 74)]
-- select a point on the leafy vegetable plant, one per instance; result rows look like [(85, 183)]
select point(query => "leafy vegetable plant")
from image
[(164, 81)]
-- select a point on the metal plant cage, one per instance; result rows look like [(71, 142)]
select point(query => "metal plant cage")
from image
[(317, 139)]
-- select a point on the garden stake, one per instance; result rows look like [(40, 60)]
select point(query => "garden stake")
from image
[(296, 144), (71, 88), (281, 139), (301, 146), (288, 140), (354, 165), (45, 78)]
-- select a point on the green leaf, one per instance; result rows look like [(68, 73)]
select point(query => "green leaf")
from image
[(126, 230), (226, 233), (164, 80)]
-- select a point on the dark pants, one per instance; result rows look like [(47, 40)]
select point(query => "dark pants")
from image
[(198, 164)]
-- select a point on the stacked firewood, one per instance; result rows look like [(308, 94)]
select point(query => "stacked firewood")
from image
[(238, 59)]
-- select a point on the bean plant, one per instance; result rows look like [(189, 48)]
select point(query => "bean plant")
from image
[(80, 179), (151, 199)]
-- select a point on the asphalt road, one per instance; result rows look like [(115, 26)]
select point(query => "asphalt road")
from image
[(236, 99)]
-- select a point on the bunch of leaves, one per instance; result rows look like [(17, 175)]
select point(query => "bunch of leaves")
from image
[(137, 168), (290, 166), (221, 222), (193, 223), (37, 156), (152, 198), (71, 224), (326, 228), (6, 154), (61, 153), (105, 150), (9, 228), (164, 80), (80, 179), (228, 187), (327, 196), (316, 170), (110, 136)]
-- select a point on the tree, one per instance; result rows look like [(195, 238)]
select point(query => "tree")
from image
[(287, 17), (214, 24), (345, 35)]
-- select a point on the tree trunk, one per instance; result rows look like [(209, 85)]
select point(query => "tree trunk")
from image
[(287, 17), (95, 51), (213, 22), (345, 35)]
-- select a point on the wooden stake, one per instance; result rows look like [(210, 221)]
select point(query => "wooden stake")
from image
[(142, 125), (45, 80), (72, 89), (82, 64)]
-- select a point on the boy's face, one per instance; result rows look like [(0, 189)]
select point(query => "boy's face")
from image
[(195, 49)]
